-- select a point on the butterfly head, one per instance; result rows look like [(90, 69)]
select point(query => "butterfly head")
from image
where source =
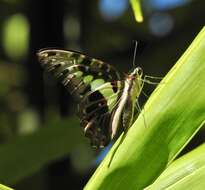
[(136, 74)]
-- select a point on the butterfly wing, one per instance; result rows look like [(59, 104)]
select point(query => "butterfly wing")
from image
[(77, 72), (96, 110), (93, 83)]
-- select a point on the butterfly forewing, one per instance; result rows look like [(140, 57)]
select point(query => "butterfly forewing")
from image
[(76, 71)]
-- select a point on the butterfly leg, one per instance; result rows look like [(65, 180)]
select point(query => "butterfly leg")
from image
[(153, 77), (147, 79)]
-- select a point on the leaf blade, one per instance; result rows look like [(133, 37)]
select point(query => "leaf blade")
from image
[(3, 187), (136, 6), (186, 172), (27, 154), (172, 120)]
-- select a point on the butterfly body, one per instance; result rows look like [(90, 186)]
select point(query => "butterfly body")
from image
[(105, 101)]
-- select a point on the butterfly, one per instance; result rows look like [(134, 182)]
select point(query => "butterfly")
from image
[(106, 101)]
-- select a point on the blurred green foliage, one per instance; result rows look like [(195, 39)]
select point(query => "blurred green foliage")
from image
[(31, 142), (15, 36)]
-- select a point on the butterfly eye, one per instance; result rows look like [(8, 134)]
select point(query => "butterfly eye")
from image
[(139, 71)]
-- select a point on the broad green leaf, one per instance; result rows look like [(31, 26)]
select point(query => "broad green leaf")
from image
[(3, 187), (27, 154), (187, 172), (173, 114), (136, 6)]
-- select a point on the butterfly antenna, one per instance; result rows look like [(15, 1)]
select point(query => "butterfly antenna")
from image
[(134, 56)]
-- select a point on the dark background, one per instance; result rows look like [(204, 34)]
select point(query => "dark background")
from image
[(104, 29)]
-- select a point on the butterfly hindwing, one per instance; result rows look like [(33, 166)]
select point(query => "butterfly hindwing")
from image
[(95, 111)]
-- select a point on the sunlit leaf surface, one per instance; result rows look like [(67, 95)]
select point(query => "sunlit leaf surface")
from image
[(187, 172), (136, 6), (173, 114)]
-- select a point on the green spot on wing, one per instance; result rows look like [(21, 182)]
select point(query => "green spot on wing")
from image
[(96, 83), (88, 79), (107, 91), (78, 74)]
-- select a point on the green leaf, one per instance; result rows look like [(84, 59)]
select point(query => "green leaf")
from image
[(187, 172), (136, 6), (173, 114), (27, 154), (3, 187)]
